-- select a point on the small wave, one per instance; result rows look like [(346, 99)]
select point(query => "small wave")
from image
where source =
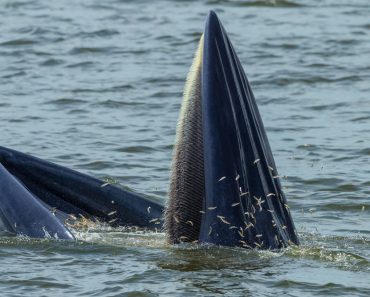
[(312, 80), (52, 62), (78, 111), (98, 33), (284, 46), (365, 152), (341, 258), (91, 50), (359, 208), (18, 73), (307, 146), (81, 64), (136, 149), (101, 6), (318, 65), (194, 257), (113, 127), (284, 129), (366, 184), (18, 42), (322, 181), (339, 251), (18, 4), (118, 88), (329, 106), (116, 104), (258, 3), (66, 101), (167, 38), (97, 165), (166, 95), (342, 188), (361, 119), (321, 289), (38, 282), (344, 41)]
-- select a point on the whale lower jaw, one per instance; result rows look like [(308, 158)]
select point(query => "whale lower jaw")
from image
[(224, 185)]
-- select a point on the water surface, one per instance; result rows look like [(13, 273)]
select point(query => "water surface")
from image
[(97, 86)]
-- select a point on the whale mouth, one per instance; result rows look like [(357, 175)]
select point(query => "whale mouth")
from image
[(224, 185), (183, 215)]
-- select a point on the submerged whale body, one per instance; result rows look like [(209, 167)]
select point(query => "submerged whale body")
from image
[(224, 185)]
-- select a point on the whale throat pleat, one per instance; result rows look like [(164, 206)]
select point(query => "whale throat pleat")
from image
[(186, 194)]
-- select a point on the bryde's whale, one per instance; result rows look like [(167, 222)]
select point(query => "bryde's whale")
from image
[(224, 185)]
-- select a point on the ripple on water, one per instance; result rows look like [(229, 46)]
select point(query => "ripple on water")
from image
[(117, 104), (103, 33), (260, 3), (365, 152), (117, 88), (14, 74), (91, 50), (18, 42), (66, 102), (136, 149), (97, 165), (83, 65), (52, 62), (335, 250)]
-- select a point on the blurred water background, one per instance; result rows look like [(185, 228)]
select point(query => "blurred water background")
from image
[(96, 86)]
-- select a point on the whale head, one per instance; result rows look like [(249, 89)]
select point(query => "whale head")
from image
[(224, 185)]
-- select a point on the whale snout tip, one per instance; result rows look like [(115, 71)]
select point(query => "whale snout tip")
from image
[(212, 19)]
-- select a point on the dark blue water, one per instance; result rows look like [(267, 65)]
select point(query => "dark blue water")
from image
[(97, 86)]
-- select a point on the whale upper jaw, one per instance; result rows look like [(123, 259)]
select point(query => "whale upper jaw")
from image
[(224, 185), (40, 199), (23, 214)]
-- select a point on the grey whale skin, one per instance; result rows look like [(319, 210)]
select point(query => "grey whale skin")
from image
[(224, 187), (32, 189)]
